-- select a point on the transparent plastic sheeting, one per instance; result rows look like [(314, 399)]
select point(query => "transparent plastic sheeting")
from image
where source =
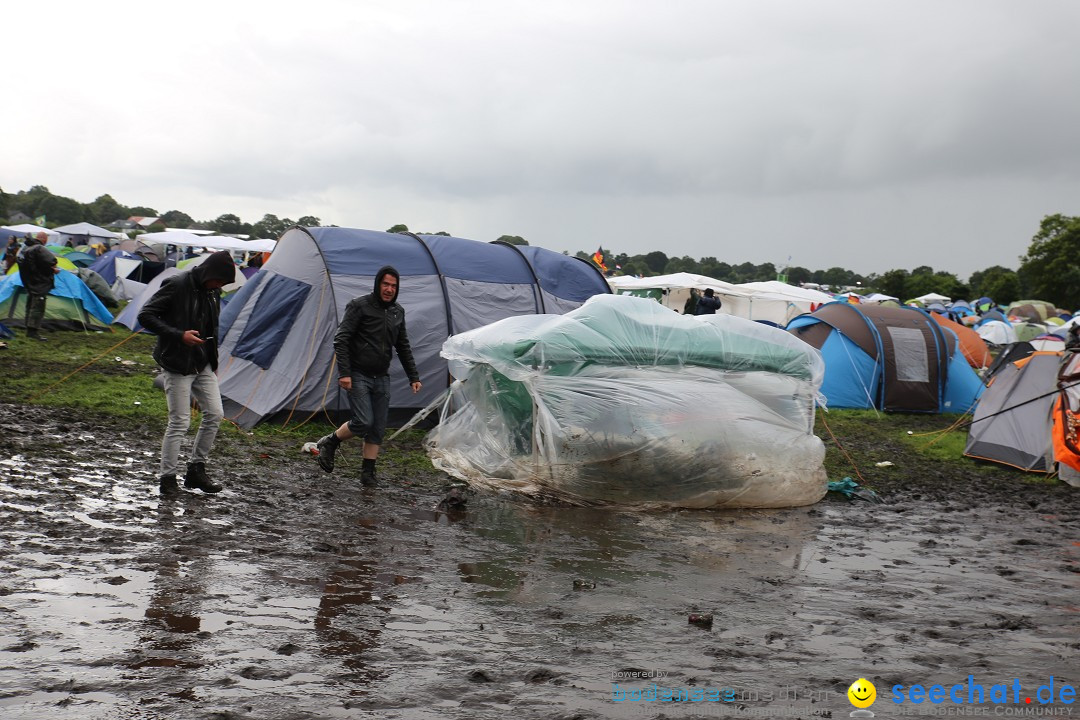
[(623, 401)]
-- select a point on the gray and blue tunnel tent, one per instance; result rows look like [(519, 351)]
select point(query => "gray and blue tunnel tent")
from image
[(1013, 422), (889, 359), (276, 334)]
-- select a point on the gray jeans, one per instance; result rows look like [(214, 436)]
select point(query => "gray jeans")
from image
[(179, 391)]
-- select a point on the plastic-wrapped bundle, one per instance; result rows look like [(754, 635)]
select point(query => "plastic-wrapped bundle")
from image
[(623, 401)]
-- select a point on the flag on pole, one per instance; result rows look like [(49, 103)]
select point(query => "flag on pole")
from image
[(598, 258), (40, 220)]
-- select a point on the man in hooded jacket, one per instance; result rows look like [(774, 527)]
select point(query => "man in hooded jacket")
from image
[(37, 268), (371, 328), (183, 314)]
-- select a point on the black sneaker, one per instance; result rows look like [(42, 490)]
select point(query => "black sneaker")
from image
[(197, 479), (367, 477), (327, 446), (168, 485)]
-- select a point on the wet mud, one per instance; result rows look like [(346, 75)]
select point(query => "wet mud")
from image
[(296, 594)]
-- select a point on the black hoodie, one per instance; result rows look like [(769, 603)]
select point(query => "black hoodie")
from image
[(369, 331), (184, 303)]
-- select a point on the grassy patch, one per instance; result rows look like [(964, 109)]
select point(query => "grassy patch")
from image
[(112, 374)]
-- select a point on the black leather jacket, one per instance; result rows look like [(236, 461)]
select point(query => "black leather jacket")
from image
[(182, 303), (368, 332)]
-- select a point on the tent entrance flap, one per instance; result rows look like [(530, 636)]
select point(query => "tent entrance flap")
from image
[(911, 372)]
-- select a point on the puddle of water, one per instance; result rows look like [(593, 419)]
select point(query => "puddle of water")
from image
[(301, 602)]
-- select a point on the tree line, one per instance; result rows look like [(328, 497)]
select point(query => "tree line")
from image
[(1049, 270)]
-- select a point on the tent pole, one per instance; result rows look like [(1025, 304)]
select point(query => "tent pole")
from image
[(86, 330)]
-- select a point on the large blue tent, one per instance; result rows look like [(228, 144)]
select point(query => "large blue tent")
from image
[(277, 331)]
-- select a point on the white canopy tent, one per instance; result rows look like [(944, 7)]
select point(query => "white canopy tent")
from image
[(770, 301), (183, 238), (84, 233), (27, 228), (777, 302), (878, 298), (933, 298), (675, 288)]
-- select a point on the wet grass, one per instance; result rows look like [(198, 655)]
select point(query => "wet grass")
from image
[(111, 373)]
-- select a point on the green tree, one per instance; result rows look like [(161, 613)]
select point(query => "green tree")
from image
[(656, 261), (632, 267), (61, 210), (998, 283), (177, 219), (104, 210), (894, 284), (924, 280), (685, 264), (1050, 270), (797, 275), (30, 201), (512, 240), (309, 221), (228, 224), (140, 211), (269, 227), (838, 278), (399, 228)]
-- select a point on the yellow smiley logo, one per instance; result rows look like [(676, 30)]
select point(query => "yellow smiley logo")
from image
[(862, 693)]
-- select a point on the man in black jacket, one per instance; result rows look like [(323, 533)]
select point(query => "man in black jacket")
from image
[(708, 304), (373, 326), (37, 268), (183, 314)]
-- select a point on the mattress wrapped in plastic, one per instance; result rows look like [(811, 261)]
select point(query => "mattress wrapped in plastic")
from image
[(623, 401)]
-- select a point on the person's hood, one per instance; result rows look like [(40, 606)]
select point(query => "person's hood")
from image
[(383, 272), (219, 266)]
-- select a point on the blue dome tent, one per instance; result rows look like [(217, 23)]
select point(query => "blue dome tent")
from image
[(891, 359)]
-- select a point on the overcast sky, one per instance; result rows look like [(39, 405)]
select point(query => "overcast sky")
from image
[(853, 133)]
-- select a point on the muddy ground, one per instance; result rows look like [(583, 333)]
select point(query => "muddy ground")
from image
[(295, 594)]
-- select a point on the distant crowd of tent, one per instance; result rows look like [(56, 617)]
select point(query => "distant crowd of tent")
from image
[(930, 354)]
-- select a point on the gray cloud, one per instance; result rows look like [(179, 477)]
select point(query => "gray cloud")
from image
[(864, 135)]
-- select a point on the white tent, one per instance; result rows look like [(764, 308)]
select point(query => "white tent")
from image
[(996, 332), (262, 245), (183, 238), (776, 302), (933, 298), (770, 301), (878, 298), (26, 228), (82, 233), (674, 289)]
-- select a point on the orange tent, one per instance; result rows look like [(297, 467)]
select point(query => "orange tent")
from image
[(971, 344)]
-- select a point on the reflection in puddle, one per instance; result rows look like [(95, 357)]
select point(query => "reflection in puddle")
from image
[(314, 600)]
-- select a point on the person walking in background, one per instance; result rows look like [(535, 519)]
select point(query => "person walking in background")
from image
[(37, 270), (709, 304), (371, 327), (690, 307), (183, 314)]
